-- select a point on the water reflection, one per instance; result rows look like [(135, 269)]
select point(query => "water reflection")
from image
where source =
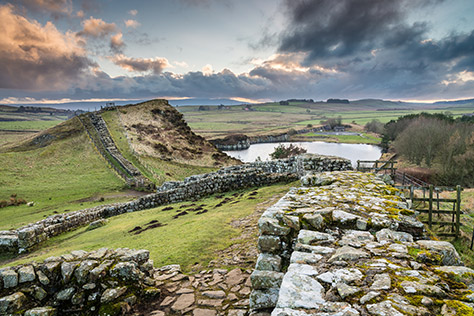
[(353, 152)]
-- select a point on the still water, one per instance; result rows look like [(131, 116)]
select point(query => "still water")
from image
[(353, 152)]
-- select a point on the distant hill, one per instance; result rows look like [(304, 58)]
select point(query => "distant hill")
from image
[(194, 101)]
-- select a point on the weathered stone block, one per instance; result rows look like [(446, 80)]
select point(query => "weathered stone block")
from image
[(266, 279), (260, 299), (12, 303), (269, 243), (268, 262)]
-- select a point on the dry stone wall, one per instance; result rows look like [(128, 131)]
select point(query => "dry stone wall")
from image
[(346, 244), (101, 282), (226, 179)]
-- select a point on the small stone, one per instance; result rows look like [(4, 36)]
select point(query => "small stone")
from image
[(381, 282), (260, 299), (157, 313), (39, 293), (361, 224), (345, 290), (234, 277), (210, 303), (89, 286), (9, 277), (237, 312), (266, 279), (26, 274), (315, 220), (12, 303), (65, 294), (300, 291), (126, 271), (41, 311), (304, 257), (292, 221), (369, 296), (167, 301), (270, 226), (78, 298), (214, 294), (185, 290), (398, 248), (184, 301), (232, 297), (310, 237), (410, 287), (384, 308), (204, 312), (447, 252), (67, 269), (112, 294), (42, 277), (348, 253), (390, 235), (344, 218), (426, 301), (268, 262), (269, 243)]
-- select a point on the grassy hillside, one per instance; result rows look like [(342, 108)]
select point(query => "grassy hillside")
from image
[(195, 237), (58, 172), (157, 169)]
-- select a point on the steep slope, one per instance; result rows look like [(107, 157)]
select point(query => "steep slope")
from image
[(157, 130)]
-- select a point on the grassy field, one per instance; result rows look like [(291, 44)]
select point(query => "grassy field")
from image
[(55, 178), (185, 240), (272, 118)]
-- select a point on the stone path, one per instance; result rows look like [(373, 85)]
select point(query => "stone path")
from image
[(346, 245), (207, 293)]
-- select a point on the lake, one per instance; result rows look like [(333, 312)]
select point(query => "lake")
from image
[(353, 152)]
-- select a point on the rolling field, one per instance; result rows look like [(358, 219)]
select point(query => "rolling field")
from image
[(273, 118), (185, 240)]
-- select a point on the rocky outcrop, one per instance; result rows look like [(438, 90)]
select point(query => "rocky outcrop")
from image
[(226, 179), (102, 282), (345, 243)]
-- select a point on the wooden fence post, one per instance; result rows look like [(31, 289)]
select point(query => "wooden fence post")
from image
[(358, 165), (458, 209), (430, 208)]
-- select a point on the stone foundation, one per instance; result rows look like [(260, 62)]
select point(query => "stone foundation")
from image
[(102, 282), (346, 244)]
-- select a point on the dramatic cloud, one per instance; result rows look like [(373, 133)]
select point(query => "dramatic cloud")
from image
[(33, 56), (97, 28), (155, 65), (51, 6), (131, 23)]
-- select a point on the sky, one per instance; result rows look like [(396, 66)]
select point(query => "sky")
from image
[(55, 51)]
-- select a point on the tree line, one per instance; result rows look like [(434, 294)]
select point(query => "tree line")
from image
[(438, 141)]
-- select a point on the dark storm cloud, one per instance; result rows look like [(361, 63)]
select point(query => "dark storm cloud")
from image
[(37, 57)]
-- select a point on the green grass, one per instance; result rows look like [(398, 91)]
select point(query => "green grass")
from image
[(54, 177), (187, 240), (28, 125)]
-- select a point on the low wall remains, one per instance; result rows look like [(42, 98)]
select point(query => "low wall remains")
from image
[(101, 282), (345, 243), (226, 179)]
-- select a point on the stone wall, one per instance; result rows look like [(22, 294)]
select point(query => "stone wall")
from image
[(226, 179), (102, 282), (346, 244)]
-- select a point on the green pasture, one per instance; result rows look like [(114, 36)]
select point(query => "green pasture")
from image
[(185, 240), (54, 177)]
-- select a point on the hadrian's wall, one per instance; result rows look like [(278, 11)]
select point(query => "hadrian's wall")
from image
[(226, 179), (101, 282), (346, 244)]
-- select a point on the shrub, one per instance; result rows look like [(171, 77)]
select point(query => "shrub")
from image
[(283, 151)]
